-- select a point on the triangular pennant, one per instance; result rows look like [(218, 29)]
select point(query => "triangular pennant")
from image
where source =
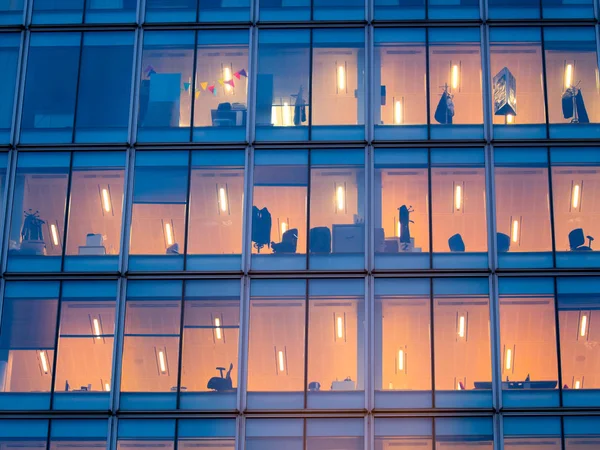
[(211, 88), (237, 75), (230, 83), (186, 86), (243, 73), (215, 91), (197, 94), (203, 85), (221, 82)]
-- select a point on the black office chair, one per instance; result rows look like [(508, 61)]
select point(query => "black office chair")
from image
[(456, 243), (503, 242), (224, 116), (577, 241), (288, 244), (221, 383), (320, 240)]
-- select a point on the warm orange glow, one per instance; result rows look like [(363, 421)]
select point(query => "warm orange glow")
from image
[(510, 119), (223, 199), (576, 196), (461, 326), (340, 198), (107, 387), (218, 328), (341, 78), (568, 76), (398, 119), (169, 233), (106, 200), (401, 360), (281, 361), (340, 327), (284, 227), (584, 324), (458, 197), (227, 77), (577, 384), (508, 363), (44, 361), (54, 232), (162, 362), (97, 328), (455, 76), (515, 231)]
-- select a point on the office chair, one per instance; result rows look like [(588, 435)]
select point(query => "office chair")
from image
[(320, 240), (456, 243), (224, 116), (577, 241), (221, 383), (503, 242), (261, 228), (288, 244)]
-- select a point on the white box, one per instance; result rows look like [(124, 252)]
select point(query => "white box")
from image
[(346, 385), (93, 240)]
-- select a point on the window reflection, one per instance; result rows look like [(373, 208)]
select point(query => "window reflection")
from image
[(332, 434), (399, 9), (538, 433), (9, 56), (27, 339), (581, 433), (12, 12), (471, 432), (408, 433), (27, 434)]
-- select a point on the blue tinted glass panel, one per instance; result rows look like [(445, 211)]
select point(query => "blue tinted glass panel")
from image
[(399, 9), (556, 9), (58, 11), (11, 13), (338, 10), (453, 9), (517, 9), (104, 87), (9, 57), (50, 95), (224, 10), (171, 11), (110, 11)]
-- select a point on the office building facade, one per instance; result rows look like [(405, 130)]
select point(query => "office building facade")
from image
[(300, 225)]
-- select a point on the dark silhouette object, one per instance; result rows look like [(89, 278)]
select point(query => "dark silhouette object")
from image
[(577, 241), (221, 383), (224, 116), (299, 107), (503, 242), (456, 243), (320, 240), (445, 108), (405, 222), (32, 226), (314, 386), (288, 244), (261, 228), (573, 106)]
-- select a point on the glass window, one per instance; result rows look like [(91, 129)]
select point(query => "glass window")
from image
[(535, 433), (456, 108), (276, 344), (104, 87), (100, 92), (165, 103), (523, 238), (463, 363), (27, 338), (149, 377), (206, 433), (472, 432), (79, 434), (401, 228), (578, 310), (158, 218), (221, 86), (555, 9), (402, 344), (26, 434), (12, 12), (332, 434), (336, 333), (216, 211), (146, 434), (576, 205), (406, 433), (50, 95), (76, 11), (517, 82), (399, 9), (274, 434), (3, 177), (581, 433), (338, 93), (193, 10), (572, 82), (85, 345), (334, 312), (453, 9), (38, 212), (9, 57), (282, 10), (509, 9), (283, 86), (528, 352), (95, 211), (338, 10), (209, 368), (279, 214), (171, 11), (400, 90), (337, 209), (459, 230)]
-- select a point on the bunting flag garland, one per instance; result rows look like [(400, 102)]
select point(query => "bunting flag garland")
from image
[(204, 86)]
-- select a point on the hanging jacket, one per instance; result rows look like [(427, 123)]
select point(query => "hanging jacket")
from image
[(445, 109)]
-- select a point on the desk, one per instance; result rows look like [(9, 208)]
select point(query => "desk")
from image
[(228, 118)]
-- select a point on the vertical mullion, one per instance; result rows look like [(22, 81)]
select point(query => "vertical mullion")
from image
[(83, 13), (56, 338), (7, 199), (488, 129), (431, 343), (252, 84), (427, 87), (494, 308), (119, 344), (247, 210), (369, 83), (551, 206), (186, 227), (490, 205), (77, 84), (306, 325), (310, 79), (119, 323), (308, 194), (545, 82), (430, 207), (558, 352), (243, 342), (67, 212), (180, 355)]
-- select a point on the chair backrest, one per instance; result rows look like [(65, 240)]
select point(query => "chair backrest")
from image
[(576, 238), (503, 242), (290, 237), (456, 243), (320, 240)]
